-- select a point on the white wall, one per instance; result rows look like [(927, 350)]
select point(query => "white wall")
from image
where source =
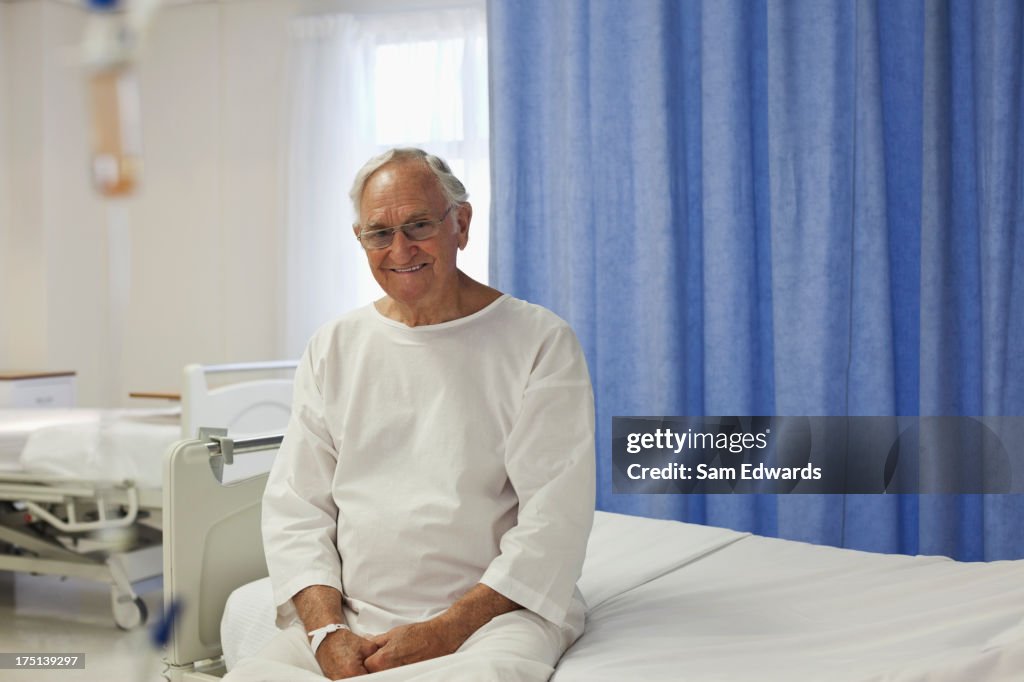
[(205, 255), (204, 231), (5, 153), (24, 271)]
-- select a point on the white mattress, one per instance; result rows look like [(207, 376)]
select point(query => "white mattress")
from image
[(86, 444), (768, 609), (675, 601)]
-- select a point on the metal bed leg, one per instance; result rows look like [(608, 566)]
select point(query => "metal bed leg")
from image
[(129, 609)]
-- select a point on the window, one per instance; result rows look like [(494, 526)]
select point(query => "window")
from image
[(362, 84)]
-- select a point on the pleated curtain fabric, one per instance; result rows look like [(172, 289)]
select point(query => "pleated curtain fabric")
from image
[(799, 207)]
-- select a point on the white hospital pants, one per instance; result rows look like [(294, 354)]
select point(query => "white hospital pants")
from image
[(518, 646)]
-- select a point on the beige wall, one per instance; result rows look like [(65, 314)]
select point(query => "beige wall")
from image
[(24, 238), (205, 230), (5, 153)]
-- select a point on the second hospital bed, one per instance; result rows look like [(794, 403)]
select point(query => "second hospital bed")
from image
[(80, 489), (666, 600)]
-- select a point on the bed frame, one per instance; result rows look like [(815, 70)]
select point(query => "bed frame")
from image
[(111, 531)]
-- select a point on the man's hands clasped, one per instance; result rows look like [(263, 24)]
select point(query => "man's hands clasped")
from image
[(344, 654), (413, 643)]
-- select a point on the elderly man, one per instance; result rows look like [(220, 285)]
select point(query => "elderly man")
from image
[(427, 516)]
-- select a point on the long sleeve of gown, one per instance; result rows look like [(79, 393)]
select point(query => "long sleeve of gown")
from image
[(549, 458), (299, 514)]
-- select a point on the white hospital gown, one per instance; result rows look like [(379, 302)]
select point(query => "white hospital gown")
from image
[(421, 461)]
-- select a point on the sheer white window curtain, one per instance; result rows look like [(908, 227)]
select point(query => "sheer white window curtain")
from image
[(361, 84)]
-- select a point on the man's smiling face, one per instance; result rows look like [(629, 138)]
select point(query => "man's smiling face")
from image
[(414, 273)]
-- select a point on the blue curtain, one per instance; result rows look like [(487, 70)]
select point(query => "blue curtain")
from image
[(793, 208)]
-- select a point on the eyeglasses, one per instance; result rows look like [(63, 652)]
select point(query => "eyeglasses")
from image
[(415, 231)]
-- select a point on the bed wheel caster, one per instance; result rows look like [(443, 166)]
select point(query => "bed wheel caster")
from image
[(130, 613)]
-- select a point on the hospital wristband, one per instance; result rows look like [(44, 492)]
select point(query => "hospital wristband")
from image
[(320, 634)]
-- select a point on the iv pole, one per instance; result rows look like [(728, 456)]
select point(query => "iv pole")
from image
[(111, 45)]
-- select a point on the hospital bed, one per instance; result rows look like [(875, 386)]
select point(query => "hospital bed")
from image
[(80, 490), (666, 600)]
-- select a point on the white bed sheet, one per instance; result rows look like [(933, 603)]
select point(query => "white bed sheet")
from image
[(675, 601), (88, 444), (768, 609)]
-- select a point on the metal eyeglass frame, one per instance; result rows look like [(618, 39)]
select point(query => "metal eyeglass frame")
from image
[(405, 230)]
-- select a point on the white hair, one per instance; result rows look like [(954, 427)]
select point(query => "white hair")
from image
[(453, 188)]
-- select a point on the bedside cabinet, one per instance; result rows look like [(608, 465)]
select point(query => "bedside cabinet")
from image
[(20, 390)]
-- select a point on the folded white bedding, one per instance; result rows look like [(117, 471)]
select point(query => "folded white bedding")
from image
[(17, 425), (102, 445), (248, 621)]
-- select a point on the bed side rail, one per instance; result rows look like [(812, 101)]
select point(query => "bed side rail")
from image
[(212, 541), (258, 404)]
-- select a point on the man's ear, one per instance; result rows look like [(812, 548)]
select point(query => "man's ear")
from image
[(464, 218)]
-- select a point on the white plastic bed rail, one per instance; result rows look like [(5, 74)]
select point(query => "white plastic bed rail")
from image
[(212, 544)]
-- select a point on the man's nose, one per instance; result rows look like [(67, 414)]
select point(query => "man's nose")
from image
[(402, 248)]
